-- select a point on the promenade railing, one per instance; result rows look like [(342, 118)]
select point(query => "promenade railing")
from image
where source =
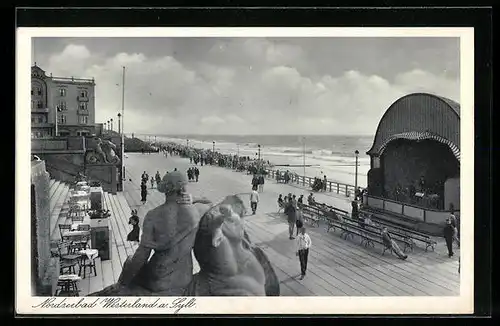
[(331, 186), (305, 181)]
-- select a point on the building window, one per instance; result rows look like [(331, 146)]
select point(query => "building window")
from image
[(83, 105), (36, 91), (62, 92), (83, 93), (40, 119), (32, 120), (61, 119), (84, 120), (62, 106), (39, 104), (36, 134)]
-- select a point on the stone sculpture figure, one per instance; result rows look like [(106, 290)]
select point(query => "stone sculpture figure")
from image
[(104, 152), (109, 150), (229, 263)]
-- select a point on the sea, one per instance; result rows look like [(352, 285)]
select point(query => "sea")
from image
[(329, 155)]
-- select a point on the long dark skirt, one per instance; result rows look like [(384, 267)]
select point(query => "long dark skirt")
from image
[(144, 194), (134, 234)]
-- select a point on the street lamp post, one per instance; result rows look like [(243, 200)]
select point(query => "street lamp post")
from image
[(187, 143), (119, 127), (356, 152), (213, 146), (121, 149), (259, 151), (304, 161), (123, 121), (111, 123), (108, 125)]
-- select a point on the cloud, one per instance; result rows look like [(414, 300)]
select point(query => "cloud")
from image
[(212, 120), (241, 86)]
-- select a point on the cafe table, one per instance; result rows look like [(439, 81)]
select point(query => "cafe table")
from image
[(71, 235), (90, 253), (74, 226)]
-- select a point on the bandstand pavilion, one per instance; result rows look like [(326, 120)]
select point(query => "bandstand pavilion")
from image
[(415, 158)]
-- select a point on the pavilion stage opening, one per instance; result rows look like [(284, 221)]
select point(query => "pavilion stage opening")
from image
[(414, 168)]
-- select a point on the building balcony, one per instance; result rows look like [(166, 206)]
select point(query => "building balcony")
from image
[(42, 125), (82, 98), (40, 110), (83, 112)]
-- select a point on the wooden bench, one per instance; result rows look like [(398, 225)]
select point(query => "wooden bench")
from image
[(310, 215), (369, 234), (399, 236), (368, 238), (402, 238), (408, 233)]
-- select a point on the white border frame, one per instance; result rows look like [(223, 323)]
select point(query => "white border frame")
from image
[(462, 304)]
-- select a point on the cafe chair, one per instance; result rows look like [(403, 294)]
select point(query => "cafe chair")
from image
[(67, 261), (86, 262), (63, 228), (76, 213), (68, 285), (79, 244)]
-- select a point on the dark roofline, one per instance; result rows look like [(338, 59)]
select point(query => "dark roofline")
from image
[(450, 103)]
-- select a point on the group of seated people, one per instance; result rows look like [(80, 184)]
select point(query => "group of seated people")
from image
[(283, 176), (319, 185), (363, 219)]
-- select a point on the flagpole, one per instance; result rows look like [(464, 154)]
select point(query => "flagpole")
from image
[(123, 125), (57, 131)]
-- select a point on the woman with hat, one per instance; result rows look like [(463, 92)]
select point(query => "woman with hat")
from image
[(290, 211), (134, 221)]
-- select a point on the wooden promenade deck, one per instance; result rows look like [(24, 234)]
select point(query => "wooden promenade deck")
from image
[(336, 267)]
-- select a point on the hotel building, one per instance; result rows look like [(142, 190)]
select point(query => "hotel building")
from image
[(61, 106)]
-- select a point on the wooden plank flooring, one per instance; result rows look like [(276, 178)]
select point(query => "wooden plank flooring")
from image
[(336, 267)]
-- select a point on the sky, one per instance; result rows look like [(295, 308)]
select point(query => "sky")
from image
[(241, 86)]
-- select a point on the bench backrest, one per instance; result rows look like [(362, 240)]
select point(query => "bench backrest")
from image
[(402, 229)]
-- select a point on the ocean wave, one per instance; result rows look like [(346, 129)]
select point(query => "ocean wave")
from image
[(296, 151)]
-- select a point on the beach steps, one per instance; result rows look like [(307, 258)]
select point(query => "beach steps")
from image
[(336, 267), (58, 203)]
